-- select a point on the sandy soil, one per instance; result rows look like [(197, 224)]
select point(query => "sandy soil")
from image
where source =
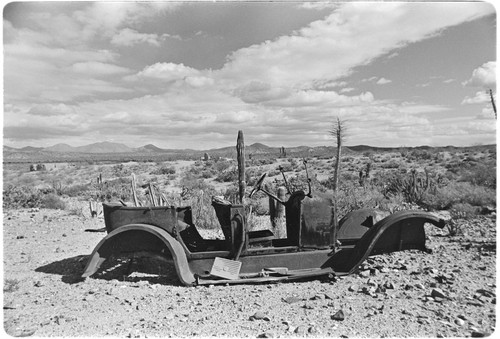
[(449, 293)]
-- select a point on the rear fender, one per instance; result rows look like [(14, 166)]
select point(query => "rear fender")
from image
[(399, 231), (136, 238)]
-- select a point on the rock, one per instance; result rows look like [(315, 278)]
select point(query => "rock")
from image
[(301, 330), (419, 286), (259, 316), (339, 316), (459, 322), (486, 293), (437, 292), (316, 297), (388, 285), (371, 282), (291, 300), (353, 288), (313, 330), (364, 274), (266, 335), (479, 334)]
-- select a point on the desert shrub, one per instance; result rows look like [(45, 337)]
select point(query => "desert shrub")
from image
[(350, 196), (459, 193), (391, 164), (481, 175), (414, 186), (420, 154), (287, 166), (229, 175), (118, 189), (164, 170), (198, 194), (53, 201), (222, 165), (260, 206), (21, 197)]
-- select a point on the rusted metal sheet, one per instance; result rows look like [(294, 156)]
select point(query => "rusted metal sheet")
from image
[(356, 223), (317, 222), (400, 231), (116, 215), (140, 238)]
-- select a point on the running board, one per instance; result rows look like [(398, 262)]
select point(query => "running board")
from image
[(267, 276)]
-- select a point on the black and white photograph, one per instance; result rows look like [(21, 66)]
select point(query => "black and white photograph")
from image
[(249, 169)]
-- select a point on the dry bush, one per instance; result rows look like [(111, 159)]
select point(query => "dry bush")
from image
[(53, 201)]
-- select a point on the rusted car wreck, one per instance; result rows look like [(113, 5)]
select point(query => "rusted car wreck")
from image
[(311, 247)]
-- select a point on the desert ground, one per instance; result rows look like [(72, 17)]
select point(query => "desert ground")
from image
[(450, 292)]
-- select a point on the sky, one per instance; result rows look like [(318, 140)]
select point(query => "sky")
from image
[(192, 74)]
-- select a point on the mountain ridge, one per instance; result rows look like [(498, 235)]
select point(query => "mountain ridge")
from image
[(255, 148)]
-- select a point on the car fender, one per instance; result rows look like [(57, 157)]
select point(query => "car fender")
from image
[(136, 238), (399, 231)]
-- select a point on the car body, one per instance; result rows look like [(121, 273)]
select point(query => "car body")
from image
[(310, 249)]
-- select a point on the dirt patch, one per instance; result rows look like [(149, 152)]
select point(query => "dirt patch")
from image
[(449, 293)]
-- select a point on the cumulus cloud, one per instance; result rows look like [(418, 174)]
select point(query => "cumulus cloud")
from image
[(383, 81), (167, 71), (480, 98), (483, 76)]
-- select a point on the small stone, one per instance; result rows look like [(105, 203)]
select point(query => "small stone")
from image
[(353, 288), (266, 335), (301, 330), (479, 334), (389, 285), (459, 322), (419, 286), (339, 316), (259, 316), (291, 300), (313, 330), (365, 274), (437, 292)]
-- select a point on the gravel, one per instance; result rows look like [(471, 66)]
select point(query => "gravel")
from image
[(451, 293)]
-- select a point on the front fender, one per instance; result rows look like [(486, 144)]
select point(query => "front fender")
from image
[(136, 238), (399, 231)]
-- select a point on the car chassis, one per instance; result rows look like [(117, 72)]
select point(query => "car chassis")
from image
[(311, 248)]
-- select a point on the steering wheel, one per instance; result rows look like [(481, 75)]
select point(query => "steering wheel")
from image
[(258, 185)]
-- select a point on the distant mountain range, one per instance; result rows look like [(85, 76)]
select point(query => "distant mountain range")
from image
[(111, 150)]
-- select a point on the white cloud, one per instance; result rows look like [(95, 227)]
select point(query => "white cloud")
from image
[(167, 71), (130, 37), (480, 98), (98, 68), (329, 49), (51, 110), (383, 81), (484, 76), (199, 81)]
